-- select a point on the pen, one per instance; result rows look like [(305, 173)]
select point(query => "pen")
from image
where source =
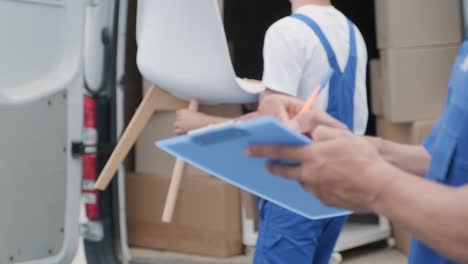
[(316, 92)]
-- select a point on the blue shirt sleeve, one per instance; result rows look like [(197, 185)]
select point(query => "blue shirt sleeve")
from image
[(429, 142)]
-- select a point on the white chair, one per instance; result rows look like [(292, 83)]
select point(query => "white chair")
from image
[(182, 48)]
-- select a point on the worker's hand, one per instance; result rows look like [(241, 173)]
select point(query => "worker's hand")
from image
[(339, 168), (308, 121), (187, 120), (281, 106)]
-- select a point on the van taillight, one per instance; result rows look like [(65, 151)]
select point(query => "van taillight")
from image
[(89, 160)]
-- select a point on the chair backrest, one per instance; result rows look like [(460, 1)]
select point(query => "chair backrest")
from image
[(182, 48)]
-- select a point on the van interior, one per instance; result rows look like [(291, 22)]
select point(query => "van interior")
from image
[(245, 23)]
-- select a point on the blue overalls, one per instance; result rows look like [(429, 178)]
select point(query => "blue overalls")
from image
[(285, 237), (448, 147)]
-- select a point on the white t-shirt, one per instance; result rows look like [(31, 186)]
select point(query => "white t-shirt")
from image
[(295, 60)]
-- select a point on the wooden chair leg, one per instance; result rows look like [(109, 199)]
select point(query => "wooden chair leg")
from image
[(176, 180), (132, 132)]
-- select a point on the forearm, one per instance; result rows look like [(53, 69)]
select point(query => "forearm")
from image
[(435, 214), (210, 120), (410, 158), (266, 93), (247, 116)]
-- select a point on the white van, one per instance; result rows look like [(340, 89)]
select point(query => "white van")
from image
[(52, 54), (68, 83)]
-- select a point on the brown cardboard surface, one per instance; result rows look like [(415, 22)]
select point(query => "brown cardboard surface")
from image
[(421, 131), (376, 87), (414, 82), (405, 133), (151, 160), (416, 23), (207, 219)]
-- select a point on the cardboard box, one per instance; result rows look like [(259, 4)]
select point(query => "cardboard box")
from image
[(405, 133), (376, 87), (415, 81), (207, 219), (416, 23), (151, 160)]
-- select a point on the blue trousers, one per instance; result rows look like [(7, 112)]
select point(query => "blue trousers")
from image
[(285, 237)]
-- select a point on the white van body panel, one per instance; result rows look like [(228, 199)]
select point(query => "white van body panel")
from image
[(41, 109)]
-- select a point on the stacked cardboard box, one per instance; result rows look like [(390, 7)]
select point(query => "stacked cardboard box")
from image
[(207, 220), (418, 41), (412, 133), (416, 23)]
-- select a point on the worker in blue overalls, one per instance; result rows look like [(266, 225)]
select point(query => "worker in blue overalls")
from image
[(299, 50), (423, 188)]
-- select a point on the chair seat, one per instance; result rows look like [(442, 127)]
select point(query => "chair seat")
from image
[(182, 48)]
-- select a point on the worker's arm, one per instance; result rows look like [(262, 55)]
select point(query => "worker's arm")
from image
[(282, 106), (435, 214), (410, 158), (187, 120), (346, 171)]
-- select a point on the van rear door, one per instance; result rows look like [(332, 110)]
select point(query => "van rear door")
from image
[(41, 94)]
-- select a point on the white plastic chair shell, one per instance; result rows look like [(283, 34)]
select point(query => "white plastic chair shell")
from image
[(182, 48)]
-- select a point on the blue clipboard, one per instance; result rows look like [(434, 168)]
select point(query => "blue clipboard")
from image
[(219, 150)]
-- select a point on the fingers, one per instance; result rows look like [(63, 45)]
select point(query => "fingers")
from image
[(294, 126), (278, 103), (295, 109), (281, 106), (324, 133), (282, 115), (327, 197), (184, 113), (289, 172), (310, 120), (278, 152), (179, 128), (377, 142), (179, 131)]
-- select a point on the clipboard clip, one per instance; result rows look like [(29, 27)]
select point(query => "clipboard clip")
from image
[(217, 134)]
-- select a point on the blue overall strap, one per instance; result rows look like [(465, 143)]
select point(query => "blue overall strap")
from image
[(343, 83), (326, 44), (352, 60), (350, 73), (345, 103)]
